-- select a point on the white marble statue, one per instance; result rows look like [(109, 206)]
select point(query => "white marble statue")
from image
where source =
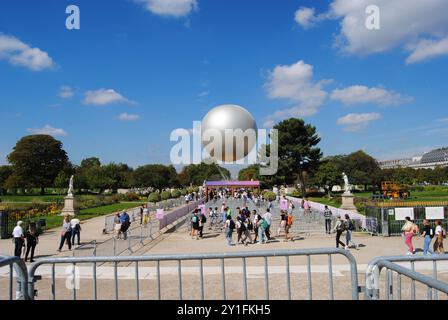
[(70, 188), (347, 187)]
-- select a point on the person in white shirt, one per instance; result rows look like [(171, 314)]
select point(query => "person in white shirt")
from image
[(76, 230), (19, 238), (440, 233), (268, 217)]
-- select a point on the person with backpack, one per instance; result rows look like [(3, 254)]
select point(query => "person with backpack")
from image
[(125, 224), (76, 230), (339, 228), (240, 228), (202, 222), (195, 224), (328, 216), (262, 226), (268, 217), (248, 226), (408, 233), (348, 234), (427, 234), (230, 226), (440, 233)]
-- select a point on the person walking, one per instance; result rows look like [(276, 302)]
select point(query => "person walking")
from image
[(427, 234), (248, 227), (408, 233), (240, 226), (125, 224), (141, 213), (328, 215), (145, 216), (32, 239), (202, 222), (339, 228), (282, 225), (19, 238), (262, 226), (195, 224), (268, 217), (349, 232), (117, 226), (288, 226), (440, 234), (307, 207), (230, 226), (257, 218), (76, 230), (66, 234)]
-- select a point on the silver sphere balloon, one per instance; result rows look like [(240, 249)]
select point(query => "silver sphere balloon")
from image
[(231, 117)]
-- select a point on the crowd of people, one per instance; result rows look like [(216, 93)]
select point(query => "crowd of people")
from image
[(411, 230)]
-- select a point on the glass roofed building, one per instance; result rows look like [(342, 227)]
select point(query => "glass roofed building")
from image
[(430, 160)]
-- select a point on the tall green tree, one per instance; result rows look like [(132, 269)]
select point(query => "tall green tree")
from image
[(5, 173), (37, 161), (196, 174), (297, 150), (362, 169), (328, 175)]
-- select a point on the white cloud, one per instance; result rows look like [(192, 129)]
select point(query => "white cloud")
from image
[(49, 130), (128, 117), (66, 92), (361, 94), (295, 83), (19, 53), (402, 24), (442, 120), (357, 121), (203, 94), (305, 17), (172, 8), (428, 49), (104, 96)]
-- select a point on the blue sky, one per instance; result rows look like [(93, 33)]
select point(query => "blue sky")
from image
[(136, 70)]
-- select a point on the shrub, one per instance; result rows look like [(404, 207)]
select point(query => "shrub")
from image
[(176, 194), (183, 192), (269, 195), (132, 197), (154, 197), (165, 195)]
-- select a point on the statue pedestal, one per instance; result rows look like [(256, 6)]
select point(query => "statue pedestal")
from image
[(348, 202), (69, 207)]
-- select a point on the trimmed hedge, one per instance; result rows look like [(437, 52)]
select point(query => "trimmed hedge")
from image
[(154, 197)]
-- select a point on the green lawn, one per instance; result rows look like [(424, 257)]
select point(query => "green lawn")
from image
[(326, 201), (56, 221)]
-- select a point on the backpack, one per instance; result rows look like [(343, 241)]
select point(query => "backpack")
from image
[(78, 227), (351, 225), (204, 219), (232, 225), (250, 225), (290, 219), (342, 226), (194, 219), (264, 224)]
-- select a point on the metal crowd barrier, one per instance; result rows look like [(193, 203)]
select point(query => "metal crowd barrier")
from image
[(201, 258), (373, 272), (17, 266)]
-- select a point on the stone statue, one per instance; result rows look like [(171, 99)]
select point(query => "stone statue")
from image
[(347, 186), (70, 188)]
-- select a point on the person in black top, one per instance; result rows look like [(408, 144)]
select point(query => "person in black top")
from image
[(428, 234), (32, 239)]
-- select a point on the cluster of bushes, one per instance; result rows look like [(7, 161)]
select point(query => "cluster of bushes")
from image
[(32, 210), (99, 201), (166, 195)]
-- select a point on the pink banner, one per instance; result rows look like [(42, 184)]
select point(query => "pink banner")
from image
[(159, 214)]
